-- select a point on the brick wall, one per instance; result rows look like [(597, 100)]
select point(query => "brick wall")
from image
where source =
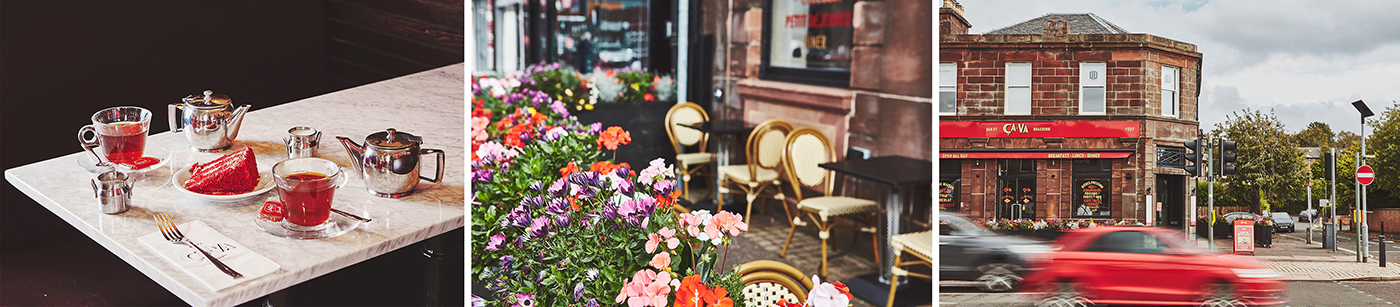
[(1391, 217)]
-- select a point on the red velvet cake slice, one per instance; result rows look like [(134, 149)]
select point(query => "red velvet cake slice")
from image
[(234, 173)]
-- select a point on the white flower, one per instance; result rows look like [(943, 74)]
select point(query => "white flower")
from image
[(826, 295)]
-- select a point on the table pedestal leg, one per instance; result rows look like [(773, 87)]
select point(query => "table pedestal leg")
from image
[(432, 275), (276, 299), (893, 211)]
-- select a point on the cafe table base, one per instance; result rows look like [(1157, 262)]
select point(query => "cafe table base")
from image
[(911, 291)]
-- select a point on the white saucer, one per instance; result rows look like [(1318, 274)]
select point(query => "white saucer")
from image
[(265, 184), (336, 226), (86, 161)]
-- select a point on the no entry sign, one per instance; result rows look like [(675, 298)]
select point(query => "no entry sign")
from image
[(1365, 175)]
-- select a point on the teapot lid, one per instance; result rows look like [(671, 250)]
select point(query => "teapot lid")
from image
[(207, 99), (392, 139)]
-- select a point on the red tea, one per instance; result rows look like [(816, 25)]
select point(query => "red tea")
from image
[(307, 203), (124, 142)]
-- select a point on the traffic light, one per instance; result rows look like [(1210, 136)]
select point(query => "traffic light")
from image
[(1195, 155), (1330, 162), (1227, 158)]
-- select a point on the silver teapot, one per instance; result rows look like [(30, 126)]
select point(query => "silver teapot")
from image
[(389, 162), (210, 122)]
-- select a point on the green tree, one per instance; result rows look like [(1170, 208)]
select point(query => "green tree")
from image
[(1269, 165), (1385, 145), (1317, 134)]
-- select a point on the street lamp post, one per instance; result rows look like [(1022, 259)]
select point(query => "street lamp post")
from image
[(1363, 252)]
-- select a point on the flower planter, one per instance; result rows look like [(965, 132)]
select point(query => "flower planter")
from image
[(645, 121), (1221, 230), (1264, 235)]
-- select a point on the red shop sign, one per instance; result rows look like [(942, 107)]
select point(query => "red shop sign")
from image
[(1072, 129)]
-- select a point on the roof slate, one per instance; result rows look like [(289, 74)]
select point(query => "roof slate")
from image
[(1087, 23)]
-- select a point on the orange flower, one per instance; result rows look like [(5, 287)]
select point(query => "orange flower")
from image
[(688, 295), (605, 167), (612, 137), (568, 169), (844, 290)]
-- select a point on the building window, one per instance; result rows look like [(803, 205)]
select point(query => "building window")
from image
[(808, 41), (1171, 157), (1171, 102), (1093, 88), (1093, 184), (949, 177), (1018, 88), (947, 88)]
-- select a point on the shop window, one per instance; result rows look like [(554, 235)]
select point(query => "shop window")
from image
[(1093, 184), (1018, 88), (602, 34), (1171, 106), (949, 180), (1093, 88), (807, 41), (498, 24), (947, 88)]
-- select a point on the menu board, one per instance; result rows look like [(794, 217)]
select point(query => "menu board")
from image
[(1091, 198), (947, 193)]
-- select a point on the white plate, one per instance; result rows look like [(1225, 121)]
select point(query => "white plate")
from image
[(86, 161), (265, 184)]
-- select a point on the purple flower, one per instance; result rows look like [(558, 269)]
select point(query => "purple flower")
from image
[(537, 186), (482, 175), (609, 211), (507, 260), (519, 217), (558, 107), (578, 291), (595, 128), (496, 242), (558, 188), (626, 187), (524, 300), (624, 171), (524, 137), (561, 221), (555, 134), (533, 202), (540, 277), (587, 192), (557, 206), (664, 187), (592, 302), (592, 274), (539, 226)]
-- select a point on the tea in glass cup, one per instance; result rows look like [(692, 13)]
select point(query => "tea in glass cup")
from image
[(121, 133), (307, 186)]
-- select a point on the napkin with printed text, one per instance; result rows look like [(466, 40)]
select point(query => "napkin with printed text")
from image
[(235, 255)]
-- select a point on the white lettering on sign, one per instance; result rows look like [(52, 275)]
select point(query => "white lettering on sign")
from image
[(1009, 128)]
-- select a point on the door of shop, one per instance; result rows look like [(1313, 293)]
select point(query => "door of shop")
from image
[(1171, 192), (1016, 189)]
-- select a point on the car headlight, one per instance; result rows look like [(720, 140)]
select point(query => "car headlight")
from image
[(1256, 273)]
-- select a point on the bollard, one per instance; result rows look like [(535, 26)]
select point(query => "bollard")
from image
[(1382, 243)]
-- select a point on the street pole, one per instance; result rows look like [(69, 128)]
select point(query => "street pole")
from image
[(1356, 211), (1333, 201), (1314, 218), (1365, 250), (1210, 188)]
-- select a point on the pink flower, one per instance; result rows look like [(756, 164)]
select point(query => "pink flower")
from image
[(729, 222), (661, 260), (712, 231), (647, 288), (652, 241), (670, 235), (479, 128)]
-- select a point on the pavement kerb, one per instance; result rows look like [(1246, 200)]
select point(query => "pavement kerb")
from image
[(1390, 265)]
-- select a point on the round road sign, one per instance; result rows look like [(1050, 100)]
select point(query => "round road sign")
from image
[(1365, 175)]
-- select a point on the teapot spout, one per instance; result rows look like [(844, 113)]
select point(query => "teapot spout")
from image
[(357, 152), (237, 120)]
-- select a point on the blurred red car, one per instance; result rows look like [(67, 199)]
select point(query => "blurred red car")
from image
[(1148, 266)]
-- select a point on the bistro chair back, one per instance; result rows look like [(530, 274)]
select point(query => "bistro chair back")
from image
[(689, 164), (920, 246), (687, 113), (805, 149), (764, 151), (767, 281)]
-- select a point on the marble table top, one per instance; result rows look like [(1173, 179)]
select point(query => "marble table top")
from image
[(428, 104)]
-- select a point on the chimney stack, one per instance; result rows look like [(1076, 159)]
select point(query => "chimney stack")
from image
[(950, 19), (1055, 30)]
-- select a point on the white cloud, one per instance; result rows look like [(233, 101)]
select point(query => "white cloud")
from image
[(1306, 60)]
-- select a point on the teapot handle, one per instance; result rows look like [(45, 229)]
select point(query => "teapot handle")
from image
[(171, 111), (441, 159)]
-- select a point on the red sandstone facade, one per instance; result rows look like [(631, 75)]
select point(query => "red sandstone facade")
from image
[(1061, 160)]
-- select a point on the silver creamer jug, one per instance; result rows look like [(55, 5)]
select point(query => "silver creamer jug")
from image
[(209, 122), (113, 192), (389, 162)]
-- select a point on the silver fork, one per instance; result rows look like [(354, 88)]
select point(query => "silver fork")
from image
[(172, 234)]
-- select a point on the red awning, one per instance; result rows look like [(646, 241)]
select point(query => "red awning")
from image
[(1034, 155)]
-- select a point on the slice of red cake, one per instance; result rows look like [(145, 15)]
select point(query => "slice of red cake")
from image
[(234, 173)]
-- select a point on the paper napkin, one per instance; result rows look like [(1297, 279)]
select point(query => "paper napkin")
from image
[(235, 255)]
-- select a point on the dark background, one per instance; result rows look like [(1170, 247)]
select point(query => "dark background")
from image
[(61, 61)]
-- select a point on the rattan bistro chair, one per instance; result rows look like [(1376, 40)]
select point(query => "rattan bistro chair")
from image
[(690, 163), (919, 245), (767, 281), (807, 148), (765, 160)]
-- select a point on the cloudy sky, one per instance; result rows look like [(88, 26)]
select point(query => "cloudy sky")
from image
[(1305, 60)]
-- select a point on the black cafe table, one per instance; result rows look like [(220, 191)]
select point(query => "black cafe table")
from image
[(726, 130), (897, 172)]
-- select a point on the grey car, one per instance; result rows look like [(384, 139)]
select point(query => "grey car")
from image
[(1282, 221), (967, 251)]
